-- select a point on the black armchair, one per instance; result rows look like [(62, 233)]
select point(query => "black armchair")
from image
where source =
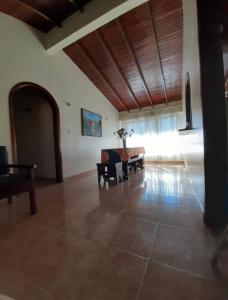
[(16, 182)]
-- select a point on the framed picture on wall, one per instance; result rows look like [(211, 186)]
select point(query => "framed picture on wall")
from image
[(91, 123)]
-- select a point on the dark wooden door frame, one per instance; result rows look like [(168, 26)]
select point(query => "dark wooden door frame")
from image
[(56, 124), (212, 19)]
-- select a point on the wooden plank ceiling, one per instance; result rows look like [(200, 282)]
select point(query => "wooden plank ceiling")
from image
[(42, 14), (136, 60)]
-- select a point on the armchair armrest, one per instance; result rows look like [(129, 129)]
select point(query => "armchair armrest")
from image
[(14, 166), (29, 168)]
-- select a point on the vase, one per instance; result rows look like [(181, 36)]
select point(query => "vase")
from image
[(124, 144)]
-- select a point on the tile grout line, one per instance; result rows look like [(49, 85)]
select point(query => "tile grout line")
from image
[(181, 227), (108, 245), (147, 262), (181, 270)]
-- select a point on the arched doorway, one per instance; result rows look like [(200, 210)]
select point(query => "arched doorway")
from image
[(32, 95)]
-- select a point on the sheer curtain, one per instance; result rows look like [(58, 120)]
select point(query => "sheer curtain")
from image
[(157, 131)]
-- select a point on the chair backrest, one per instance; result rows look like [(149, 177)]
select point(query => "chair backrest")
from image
[(3, 160), (114, 157)]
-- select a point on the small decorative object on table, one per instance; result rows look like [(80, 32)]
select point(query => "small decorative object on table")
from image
[(122, 133)]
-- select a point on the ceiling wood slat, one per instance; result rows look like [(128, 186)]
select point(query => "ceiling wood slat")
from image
[(168, 20), (43, 15), (140, 54), (116, 66), (98, 72), (136, 24), (158, 50), (30, 6), (135, 60), (76, 55), (16, 9)]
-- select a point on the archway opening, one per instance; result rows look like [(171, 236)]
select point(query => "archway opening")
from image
[(35, 131)]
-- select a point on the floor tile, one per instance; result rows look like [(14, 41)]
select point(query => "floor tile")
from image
[(91, 241), (190, 218), (183, 249), (134, 235), (72, 267), (20, 287), (163, 283), (20, 239), (143, 208)]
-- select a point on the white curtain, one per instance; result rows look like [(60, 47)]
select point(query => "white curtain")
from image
[(157, 131)]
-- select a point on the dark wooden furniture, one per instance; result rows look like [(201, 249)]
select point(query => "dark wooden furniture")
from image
[(21, 180), (213, 26), (111, 169), (136, 162), (132, 158), (221, 246)]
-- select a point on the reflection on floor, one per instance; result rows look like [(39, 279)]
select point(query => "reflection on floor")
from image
[(143, 239), (41, 182)]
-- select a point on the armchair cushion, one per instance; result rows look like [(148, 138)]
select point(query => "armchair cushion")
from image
[(8, 181), (13, 184)]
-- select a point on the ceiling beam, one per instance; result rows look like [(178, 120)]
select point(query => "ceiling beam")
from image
[(78, 4), (158, 50), (78, 25), (132, 54), (45, 16), (116, 66), (100, 75)]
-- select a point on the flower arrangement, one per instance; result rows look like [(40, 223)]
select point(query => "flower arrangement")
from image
[(122, 134)]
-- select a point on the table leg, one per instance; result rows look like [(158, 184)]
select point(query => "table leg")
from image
[(125, 170)]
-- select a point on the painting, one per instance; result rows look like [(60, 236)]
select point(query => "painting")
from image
[(91, 123)]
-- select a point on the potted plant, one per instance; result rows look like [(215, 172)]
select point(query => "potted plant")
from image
[(122, 134)]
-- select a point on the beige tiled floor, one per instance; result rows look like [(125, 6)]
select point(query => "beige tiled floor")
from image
[(141, 240)]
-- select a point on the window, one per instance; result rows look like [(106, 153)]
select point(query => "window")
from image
[(157, 131)]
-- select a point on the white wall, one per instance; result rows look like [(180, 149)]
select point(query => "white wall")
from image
[(34, 132), (23, 58), (194, 141)]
